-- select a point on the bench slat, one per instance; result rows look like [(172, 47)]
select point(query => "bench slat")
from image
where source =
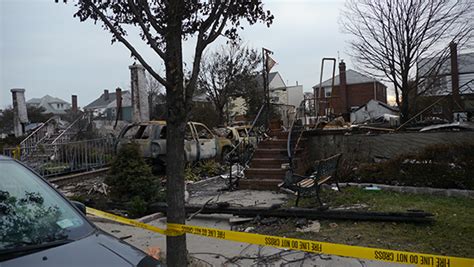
[(324, 179), (306, 183)]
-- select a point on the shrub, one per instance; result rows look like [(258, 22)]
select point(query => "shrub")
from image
[(137, 207), (131, 177), (208, 168), (205, 168), (190, 175)]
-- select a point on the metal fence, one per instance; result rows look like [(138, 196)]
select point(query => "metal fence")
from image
[(69, 157)]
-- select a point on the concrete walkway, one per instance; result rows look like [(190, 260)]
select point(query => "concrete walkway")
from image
[(214, 252)]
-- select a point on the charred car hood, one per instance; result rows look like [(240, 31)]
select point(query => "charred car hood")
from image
[(97, 249)]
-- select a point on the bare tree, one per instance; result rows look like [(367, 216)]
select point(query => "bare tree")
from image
[(163, 26), (225, 74), (156, 94), (391, 36)]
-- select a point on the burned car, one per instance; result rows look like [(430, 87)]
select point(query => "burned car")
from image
[(242, 135), (199, 143)]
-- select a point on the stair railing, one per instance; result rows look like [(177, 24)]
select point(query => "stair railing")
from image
[(249, 131), (233, 182), (295, 133), (62, 136), (30, 143)]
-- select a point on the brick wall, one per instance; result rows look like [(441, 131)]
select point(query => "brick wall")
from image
[(357, 95)]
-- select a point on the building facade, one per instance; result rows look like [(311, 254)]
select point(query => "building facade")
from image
[(350, 91)]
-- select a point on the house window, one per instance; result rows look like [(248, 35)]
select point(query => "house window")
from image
[(437, 109), (327, 92)]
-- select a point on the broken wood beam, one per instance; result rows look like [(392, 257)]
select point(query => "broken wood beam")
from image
[(312, 214)]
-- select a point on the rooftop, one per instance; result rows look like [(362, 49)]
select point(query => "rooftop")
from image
[(46, 99), (101, 102), (352, 77)]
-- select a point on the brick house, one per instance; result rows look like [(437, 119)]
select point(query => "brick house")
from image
[(351, 90)]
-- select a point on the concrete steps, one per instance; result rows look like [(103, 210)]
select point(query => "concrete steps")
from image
[(265, 172)]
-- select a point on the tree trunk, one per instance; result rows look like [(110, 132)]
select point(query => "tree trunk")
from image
[(404, 109), (176, 125), (222, 114)]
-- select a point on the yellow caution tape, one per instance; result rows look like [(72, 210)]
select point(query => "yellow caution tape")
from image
[(299, 244), (123, 220)]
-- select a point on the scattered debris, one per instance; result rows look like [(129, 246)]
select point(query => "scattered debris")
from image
[(351, 207), (154, 252), (313, 226), (238, 220), (333, 225), (301, 222), (269, 221), (313, 214), (99, 188), (249, 229), (125, 237), (372, 188)]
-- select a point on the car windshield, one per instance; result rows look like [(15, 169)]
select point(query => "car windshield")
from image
[(32, 213)]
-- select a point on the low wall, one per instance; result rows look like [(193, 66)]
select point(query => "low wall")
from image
[(371, 148)]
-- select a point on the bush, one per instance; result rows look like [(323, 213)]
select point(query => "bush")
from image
[(205, 168), (137, 207), (441, 166), (190, 175), (131, 177), (209, 168)]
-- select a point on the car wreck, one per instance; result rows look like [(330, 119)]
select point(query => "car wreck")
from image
[(199, 144), (241, 135)]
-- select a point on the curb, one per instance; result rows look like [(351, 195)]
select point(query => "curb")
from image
[(412, 189), (191, 186)]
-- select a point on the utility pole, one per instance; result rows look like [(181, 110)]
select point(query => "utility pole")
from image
[(266, 90)]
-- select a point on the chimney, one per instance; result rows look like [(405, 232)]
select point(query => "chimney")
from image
[(106, 94), (343, 87), (455, 75), (140, 111), (118, 100), (74, 103), (20, 113)]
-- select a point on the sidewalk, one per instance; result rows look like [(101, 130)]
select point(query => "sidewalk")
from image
[(215, 252)]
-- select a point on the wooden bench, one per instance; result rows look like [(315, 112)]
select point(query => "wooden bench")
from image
[(323, 171)]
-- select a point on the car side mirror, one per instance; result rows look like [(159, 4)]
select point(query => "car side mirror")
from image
[(80, 206)]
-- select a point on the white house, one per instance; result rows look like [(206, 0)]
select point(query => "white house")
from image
[(295, 95), (287, 97), (51, 104)]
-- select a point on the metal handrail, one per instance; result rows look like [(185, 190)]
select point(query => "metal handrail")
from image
[(35, 131), (250, 130), (291, 152), (67, 129)]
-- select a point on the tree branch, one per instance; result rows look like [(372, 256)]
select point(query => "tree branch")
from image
[(122, 39)]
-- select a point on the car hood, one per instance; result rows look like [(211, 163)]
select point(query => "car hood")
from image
[(98, 249)]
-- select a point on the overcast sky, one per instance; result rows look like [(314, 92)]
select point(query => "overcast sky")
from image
[(47, 51)]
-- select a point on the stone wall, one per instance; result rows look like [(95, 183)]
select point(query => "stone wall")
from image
[(370, 148)]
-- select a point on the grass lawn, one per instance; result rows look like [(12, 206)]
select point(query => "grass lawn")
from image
[(451, 234)]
